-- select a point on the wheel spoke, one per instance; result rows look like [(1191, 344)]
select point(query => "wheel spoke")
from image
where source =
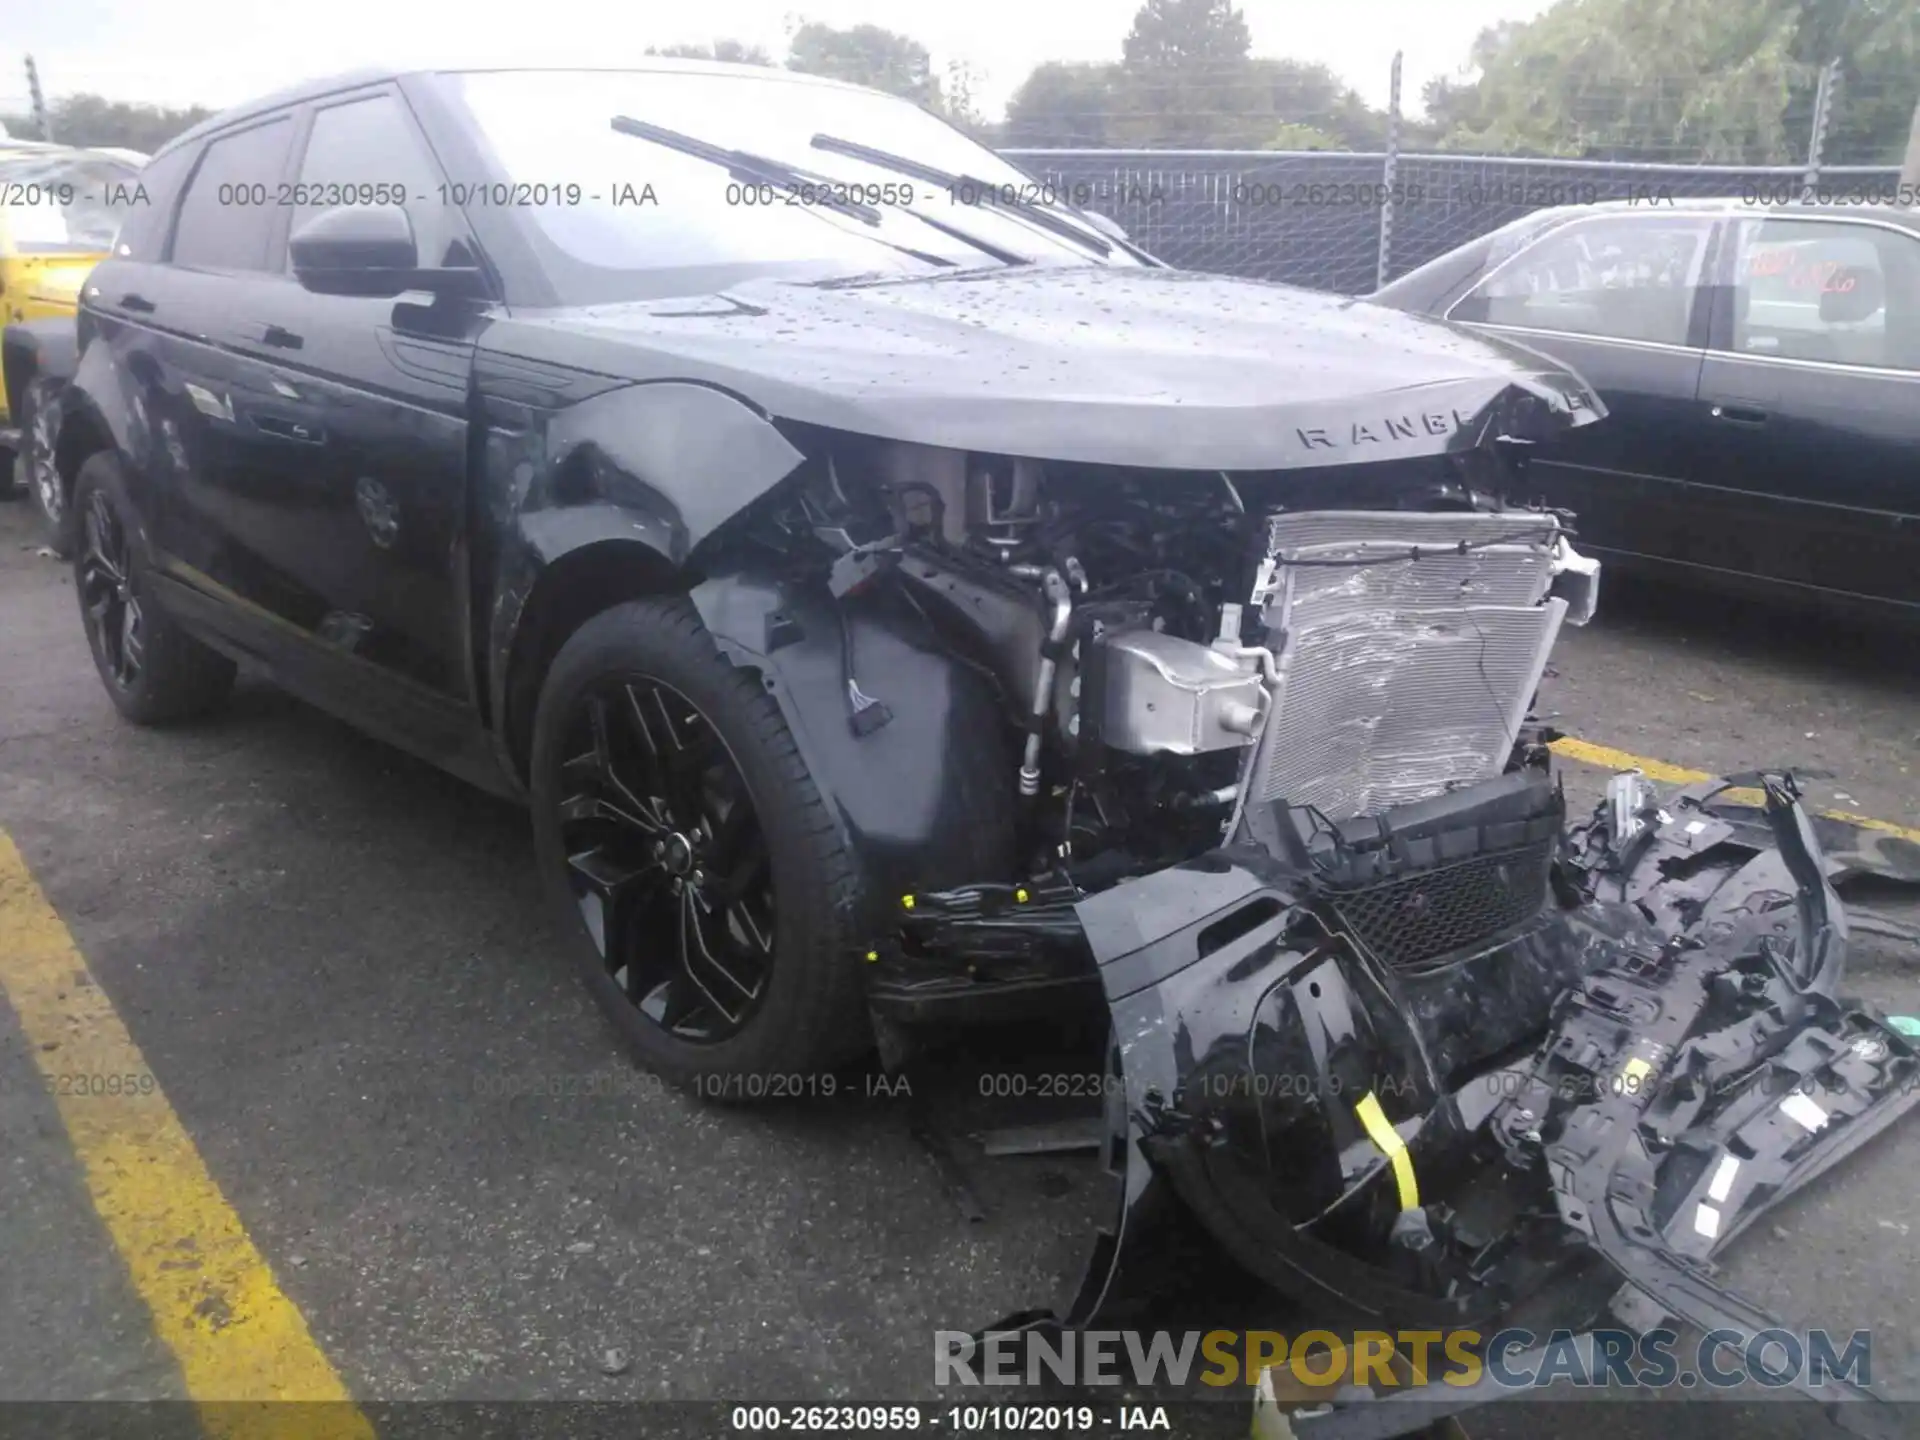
[(667, 859), (596, 789), (610, 892), (703, 965), (760, 940), (99, 564), (673, 758), (133, 647), (586, 801)]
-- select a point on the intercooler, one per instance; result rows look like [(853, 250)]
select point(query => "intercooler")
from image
[(1409, 644)]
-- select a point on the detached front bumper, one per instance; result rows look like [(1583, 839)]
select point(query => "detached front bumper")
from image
[(1364, 1136)]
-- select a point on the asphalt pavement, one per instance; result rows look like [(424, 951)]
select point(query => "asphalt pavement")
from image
[(335, 964)]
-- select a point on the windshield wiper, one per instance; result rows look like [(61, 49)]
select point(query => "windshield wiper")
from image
[(985, 247), (985, 190), (763, 170), (745, 165)]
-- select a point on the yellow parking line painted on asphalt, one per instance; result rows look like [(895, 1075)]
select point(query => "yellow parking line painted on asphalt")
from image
[(239, 1341), (1604, 755)]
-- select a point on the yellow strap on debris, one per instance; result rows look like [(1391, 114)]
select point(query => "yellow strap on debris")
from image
[(1382, 1133)]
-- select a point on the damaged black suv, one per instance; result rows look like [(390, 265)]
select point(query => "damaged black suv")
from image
[(898, 597), (802, 512)]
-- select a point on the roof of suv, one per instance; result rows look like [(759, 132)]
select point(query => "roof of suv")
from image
[(1903, 216), (358, 79)]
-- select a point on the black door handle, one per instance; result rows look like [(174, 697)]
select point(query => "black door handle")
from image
[(276, 335), (137, 303), (1740, 414), (291, 429)]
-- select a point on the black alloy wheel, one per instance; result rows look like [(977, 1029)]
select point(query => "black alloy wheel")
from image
[(705, 889), (116, 624), (36, 471), (666, 859), (154, 671)]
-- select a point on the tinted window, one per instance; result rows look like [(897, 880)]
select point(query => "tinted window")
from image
[(1624, 279), (145, 232), (1844, 294), (226, 221), (367, 152)]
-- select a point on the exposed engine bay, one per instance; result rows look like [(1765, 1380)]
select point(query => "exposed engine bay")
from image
[(1251, 758)]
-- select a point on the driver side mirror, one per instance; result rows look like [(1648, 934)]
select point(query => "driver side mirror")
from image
[(369, 250)]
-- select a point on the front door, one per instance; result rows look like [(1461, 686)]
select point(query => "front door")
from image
[(322, 493), (1618, 297)]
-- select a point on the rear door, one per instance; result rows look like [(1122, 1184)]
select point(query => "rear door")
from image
[(1811, 391), (211, 460), (1619, 297)]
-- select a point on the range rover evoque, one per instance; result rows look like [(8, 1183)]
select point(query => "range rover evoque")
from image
[(900, 599)]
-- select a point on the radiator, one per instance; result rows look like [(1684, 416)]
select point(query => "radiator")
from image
[(1400, 678)]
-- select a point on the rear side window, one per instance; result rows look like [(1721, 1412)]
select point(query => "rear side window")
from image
[(1620, 279), (1815, 290), (226, 220), (367, 152), (157, 188)]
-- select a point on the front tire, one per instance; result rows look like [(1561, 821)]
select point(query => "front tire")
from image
[(35, 472), (702, 882), (155, 673)]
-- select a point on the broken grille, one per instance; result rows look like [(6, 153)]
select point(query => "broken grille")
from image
[(1413, 920)]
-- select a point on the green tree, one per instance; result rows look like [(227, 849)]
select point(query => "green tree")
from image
[(1294, 136), (1064, 106), (958, 105), (95, 120), (1170, 34), (867, 55), (1878, 45), (1307, 98), (1187, 79), (1706, 80), (734, 52)]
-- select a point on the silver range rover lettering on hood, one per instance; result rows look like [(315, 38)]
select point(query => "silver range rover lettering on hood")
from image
[(1088, 365)]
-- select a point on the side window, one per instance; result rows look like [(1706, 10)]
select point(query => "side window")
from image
[(157, 186), (1814, 290), (226, 220), (1624, 279), (367, 152)]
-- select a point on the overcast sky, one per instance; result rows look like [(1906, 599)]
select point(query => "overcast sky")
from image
[(218, 52)]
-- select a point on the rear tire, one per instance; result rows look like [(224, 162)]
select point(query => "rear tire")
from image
[(700, 877), (154, 671), (35, 472)]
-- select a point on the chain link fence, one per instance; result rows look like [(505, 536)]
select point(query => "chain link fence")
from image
[(1314, 218)]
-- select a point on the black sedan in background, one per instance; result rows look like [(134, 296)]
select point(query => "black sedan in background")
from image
[(1762, 367)]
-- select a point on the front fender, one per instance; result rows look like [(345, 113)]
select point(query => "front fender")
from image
[(925, 801), (612, 493), (682, 459)]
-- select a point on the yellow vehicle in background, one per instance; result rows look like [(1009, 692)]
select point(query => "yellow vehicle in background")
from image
[(60, 208)]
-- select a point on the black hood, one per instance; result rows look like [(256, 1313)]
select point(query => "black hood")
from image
[(1095, 364)]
